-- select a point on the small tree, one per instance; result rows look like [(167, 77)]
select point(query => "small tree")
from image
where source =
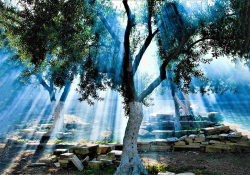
[(43, 36)]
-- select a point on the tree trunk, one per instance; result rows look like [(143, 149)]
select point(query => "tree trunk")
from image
[(184, 108), (177, 123), (58, 124), (188, 104), (130, 162)]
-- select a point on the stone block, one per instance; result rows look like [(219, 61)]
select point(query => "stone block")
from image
[(46, 126), (192, 146), (195, 145), (183, 138), (190, 138), (143, 146), (234, 138), (77, 163), (28, 131), (213, 137), (216, 130), (110, 156), (101, 156), (160, 133), (95, 165), (215, 141), (106, 161), (104, 149), (204, 143), (220, 146), (200, 138), (46, 160), (59, 151), (223, 137), (67, 155), (118, 154), (85, 150), (165, 116), (172, 139), (180, 143), (42, 134), (143, 133), (160, 142), (160, 148)]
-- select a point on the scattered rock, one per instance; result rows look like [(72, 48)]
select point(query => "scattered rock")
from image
[(58, 152), (96, 165)]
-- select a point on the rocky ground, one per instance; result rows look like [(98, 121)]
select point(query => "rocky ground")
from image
[(17, 161)]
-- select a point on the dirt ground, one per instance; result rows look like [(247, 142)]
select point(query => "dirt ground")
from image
[(16, 161)]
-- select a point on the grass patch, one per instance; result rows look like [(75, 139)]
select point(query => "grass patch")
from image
[(200, 160), (63, 141), (104, 142)]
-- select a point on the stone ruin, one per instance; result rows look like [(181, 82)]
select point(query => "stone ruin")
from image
[(218, 139), (160, 125)]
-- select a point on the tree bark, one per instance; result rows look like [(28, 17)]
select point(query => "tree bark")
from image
[(185, 111), (130, 162), (58, 124), (188, 104), (177, 123)]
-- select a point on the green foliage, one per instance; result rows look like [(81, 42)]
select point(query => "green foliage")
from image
[(105, 141)]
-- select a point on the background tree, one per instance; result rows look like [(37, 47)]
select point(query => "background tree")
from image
[(189, 36), (48, 37)]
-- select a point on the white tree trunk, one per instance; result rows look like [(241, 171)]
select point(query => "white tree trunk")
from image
[(58, 124), (130, 162), (188, 104), (177, 123), (185, 111)]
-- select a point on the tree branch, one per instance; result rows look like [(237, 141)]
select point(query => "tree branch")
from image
[(191, 45), (142, 51), (127, 61), (43, 83), (162, 76), (109, 28)]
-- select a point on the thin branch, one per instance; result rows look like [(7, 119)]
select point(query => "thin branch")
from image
[(142, 51), (150, 88), (42, 82), (109, 28), (192, 45)]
